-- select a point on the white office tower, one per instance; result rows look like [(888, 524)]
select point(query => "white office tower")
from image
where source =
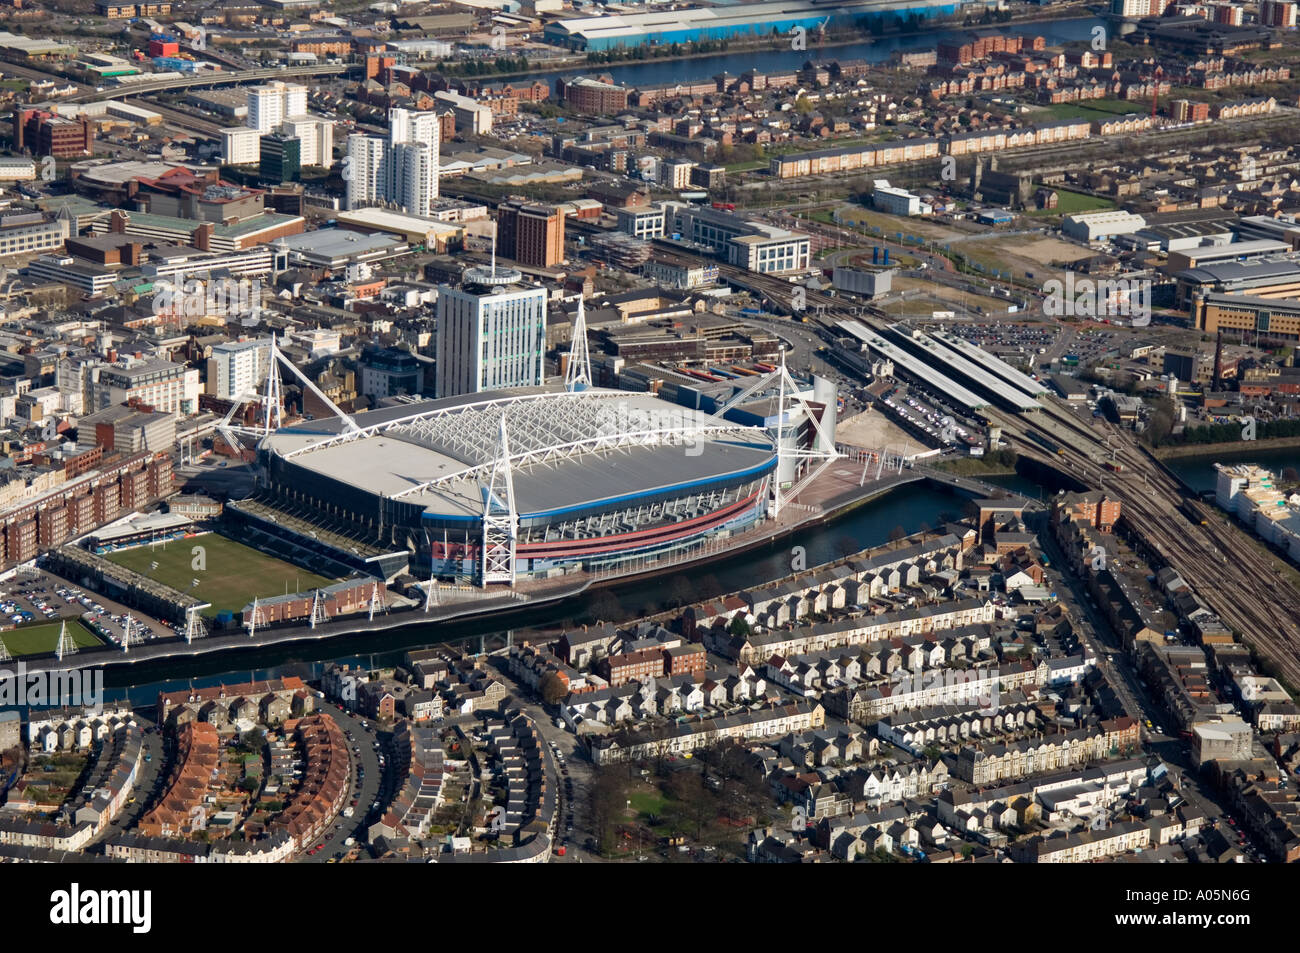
[(241, 145), (491, 333), (410, 127), (365, 171), (295, 99), (237, 368), (415, 167), (272, 104), (316, 136)]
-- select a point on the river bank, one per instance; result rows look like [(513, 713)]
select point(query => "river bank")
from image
[(1233, 448), (553, 596), (975, 467), (769, 46)]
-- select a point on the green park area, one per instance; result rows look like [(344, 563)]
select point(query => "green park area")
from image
[(43, 638)]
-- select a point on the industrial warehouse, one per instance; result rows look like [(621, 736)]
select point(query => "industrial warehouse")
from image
[(611, 31), (530, 482)]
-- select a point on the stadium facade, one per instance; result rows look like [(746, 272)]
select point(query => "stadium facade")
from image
[(512, 484)]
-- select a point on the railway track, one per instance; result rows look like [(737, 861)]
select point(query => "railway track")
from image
[(1233, 578)]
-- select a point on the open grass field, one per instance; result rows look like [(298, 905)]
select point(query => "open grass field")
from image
[(38, 639), (1096, 109), (1070, 203), (648, 802), (232, 575), (891, 225), (943, 295)]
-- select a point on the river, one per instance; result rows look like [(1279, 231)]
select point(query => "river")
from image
[(877, 50), (1199, 473), (912, 507)]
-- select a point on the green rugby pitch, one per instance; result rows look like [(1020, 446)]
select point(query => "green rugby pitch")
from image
[(233, 575)]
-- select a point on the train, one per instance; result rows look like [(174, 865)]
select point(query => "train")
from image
[(1044, 442), (1188, 509)]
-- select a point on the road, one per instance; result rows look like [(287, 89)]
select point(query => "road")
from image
[(1138, 702), (223, 78), (574, 775), (149, 782), (377, 785)]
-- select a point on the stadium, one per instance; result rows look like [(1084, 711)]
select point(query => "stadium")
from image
[(505, 485)]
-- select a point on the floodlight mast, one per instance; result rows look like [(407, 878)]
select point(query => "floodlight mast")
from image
[(577, 376), (272, 401), (500, 518)]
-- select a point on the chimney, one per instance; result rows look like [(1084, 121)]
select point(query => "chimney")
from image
[(20, 120), (1218, 361)]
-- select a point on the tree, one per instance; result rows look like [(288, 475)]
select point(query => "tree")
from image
[(553, 688), (681, 591), (696, 803), (605, 607), (1162, 422), (897, 533), (739, 627), (1290, 475), (607, 801)]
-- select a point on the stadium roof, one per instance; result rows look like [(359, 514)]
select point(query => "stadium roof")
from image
[(569, 451)]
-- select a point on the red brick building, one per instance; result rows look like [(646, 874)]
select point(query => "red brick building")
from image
[(595, 96), (685, 659), (532, 234), (47, 134), (81, 504), (1093, 508), (632, 666)]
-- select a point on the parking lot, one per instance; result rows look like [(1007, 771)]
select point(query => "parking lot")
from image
[(1011, 341), (45, 597)]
